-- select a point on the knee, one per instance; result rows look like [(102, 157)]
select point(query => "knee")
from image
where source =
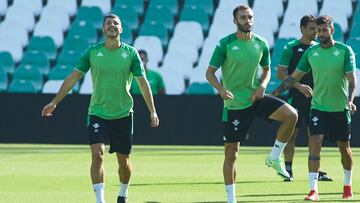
[(291, 116), (231, 154), (124, 163), (98, 156)]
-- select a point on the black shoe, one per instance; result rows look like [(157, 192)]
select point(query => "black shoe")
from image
[(122, 200), (291, 179), (324, 177)]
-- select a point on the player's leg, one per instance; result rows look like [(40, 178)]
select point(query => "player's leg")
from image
[(229, 169), (289, 152), (97, 134), (124, 172)]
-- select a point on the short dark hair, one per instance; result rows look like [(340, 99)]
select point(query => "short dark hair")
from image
[(325, 19), (111, 15), (141, 51), (305, 20), (238, 8)]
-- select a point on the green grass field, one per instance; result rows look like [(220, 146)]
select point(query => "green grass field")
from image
[(60, 173)]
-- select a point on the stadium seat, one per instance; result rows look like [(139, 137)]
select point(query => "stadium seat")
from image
[(104, 5), (34, 6), (3, 80), (86, 86), (29, 73), (188, 50), (200, 88), (171, 4), (265, 30), (344, 5), (56, 15), (8, 27), (69, 5), (90, 14), (338, 34), (207, 5), (270, 17), (198, 75), (196, 14), (275, 6), (153, 47), (196, 35), (60, 72), (161, 15), (178, 61), (43, 29), (127, 15), (355, 30), (53, 86), (174, 84), (85, 30), (3, 7), (138, 5), (37, 59), (11, 45), (7, 63), (43, 44), (70, 58), (75, 43), (22, 86), (155, 29), (22, 15)]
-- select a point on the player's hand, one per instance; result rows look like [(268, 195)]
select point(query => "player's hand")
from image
[(258, 94), (226, 94), (352, 107), (48, 109), (305, 89), (154, 119)]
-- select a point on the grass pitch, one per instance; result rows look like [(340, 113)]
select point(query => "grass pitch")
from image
[(60, 173)]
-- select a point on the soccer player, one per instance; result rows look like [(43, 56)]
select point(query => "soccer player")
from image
[(300, 95), (333, 69), (155, 80), (112, 64), (239, 55)]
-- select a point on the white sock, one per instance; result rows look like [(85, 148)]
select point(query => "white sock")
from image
[(123, 190), (99, 192), (347, 177), (313, 178), (230, 190), (277, 150)]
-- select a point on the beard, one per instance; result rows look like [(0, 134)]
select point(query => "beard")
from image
[(244, 28), (324, 40)]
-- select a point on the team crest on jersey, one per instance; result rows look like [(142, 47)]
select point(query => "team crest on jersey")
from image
[(99, 54), (256, 46), (235, 48), (336, 52), (315, 53), (124, 55), (300, 50)]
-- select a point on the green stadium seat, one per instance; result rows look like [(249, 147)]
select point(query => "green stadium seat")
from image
[(60, 72), (161, 15), (200, 88), (85, 30), (275, 59), (155, 29), (22, 86), (90, 14), (29, 73), (3, 80), (127, 16), (70, 58), (171, 4), (138, 5), (207, 5), (196, 14), (43, 44), (75, 43), (355, 30), (7, 62), (338, 35), (38, 59)]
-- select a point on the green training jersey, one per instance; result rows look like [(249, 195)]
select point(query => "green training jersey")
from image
[(239, 61), (329, 67), (112, 72), (156, 83)]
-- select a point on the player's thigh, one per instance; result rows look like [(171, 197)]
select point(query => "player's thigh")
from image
[(237, 124), (274, 108), (121, 135), (339, 126), (302, 107), (97, 130)]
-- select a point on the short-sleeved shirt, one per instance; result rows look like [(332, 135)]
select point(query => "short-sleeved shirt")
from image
[(155, 80), (290, 57), (329, 67), (112, 72), (239, 61)]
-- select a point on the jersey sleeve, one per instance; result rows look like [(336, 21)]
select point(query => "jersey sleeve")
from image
[(219, 55), (265, 60), (161, 82), (84, 64), (137, 67), (304, 65), (350, 64), (286, 56)]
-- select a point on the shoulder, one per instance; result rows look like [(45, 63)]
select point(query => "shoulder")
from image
[(128, 47), (259, 39), (227, 39), (96, 46), (343, 46)]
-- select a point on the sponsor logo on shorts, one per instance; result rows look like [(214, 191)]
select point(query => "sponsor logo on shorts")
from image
[(315, 119), (236, 122), (96, 126)]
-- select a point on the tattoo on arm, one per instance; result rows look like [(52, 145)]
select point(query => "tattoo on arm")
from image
[(285, 85), (351, 91)]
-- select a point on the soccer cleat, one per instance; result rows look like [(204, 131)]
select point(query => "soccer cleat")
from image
[(277, 166), (312, 196), (122, 199), (324, 177), (291, 179), (347, 192)]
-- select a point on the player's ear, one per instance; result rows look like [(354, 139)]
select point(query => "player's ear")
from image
[(234, 21)]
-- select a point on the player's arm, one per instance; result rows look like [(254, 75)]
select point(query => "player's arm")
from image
[(351, 77), (67, 85), (211, 77), (149, 100), (264, 80), (288, 82)]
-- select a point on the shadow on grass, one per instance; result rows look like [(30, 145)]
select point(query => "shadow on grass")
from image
[(200, 183)]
